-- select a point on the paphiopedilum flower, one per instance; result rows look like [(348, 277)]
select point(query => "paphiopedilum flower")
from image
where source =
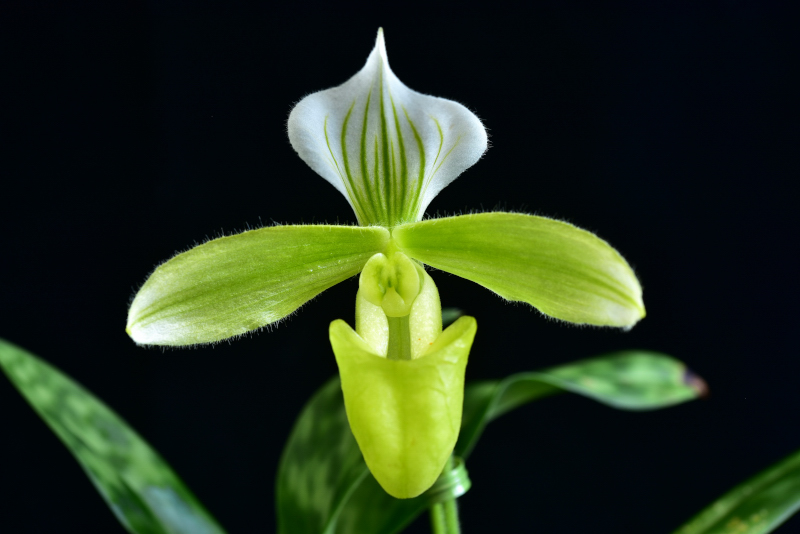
[(389, 150)]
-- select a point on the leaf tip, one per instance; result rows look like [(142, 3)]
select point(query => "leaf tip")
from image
[(696, 382)]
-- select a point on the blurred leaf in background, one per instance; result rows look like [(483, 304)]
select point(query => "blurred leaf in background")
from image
[(757, 506), (137, 484)]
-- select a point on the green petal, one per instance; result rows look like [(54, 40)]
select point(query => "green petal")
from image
[(385, 147), (404, 414), (561, 270), (232, 285)]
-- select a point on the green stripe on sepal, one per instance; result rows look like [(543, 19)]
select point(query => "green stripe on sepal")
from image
[(387, 148), (236, 284), (561, 270), (142, 491)]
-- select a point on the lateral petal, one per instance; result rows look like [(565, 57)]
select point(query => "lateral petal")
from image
[(561, 270), (235, 284)]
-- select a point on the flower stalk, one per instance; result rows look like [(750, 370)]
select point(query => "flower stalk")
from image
[(444, 515)]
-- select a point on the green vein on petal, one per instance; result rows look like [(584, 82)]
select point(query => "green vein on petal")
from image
[(403, 164), (365, 178), (355, 194), (414, 200), (380, 204)]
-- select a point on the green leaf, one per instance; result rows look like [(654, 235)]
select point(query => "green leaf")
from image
[(325, 487), (321, 465), (626, 380), (388, 149), (140, 488), (561, 270), (235, 284), (757, 506)]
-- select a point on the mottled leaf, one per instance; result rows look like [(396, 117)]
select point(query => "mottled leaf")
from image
[(627, 380), (140, 488), (757, 506), (320, 467)]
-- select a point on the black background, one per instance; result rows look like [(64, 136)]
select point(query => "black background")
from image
[(131, 130)]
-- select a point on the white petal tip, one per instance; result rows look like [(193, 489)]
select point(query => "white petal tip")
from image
[(380, 45)]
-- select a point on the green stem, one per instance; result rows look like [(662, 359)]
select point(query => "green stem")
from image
[(438, 523), (444, 515)]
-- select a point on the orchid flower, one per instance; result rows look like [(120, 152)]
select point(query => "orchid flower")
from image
[(389, 150)]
